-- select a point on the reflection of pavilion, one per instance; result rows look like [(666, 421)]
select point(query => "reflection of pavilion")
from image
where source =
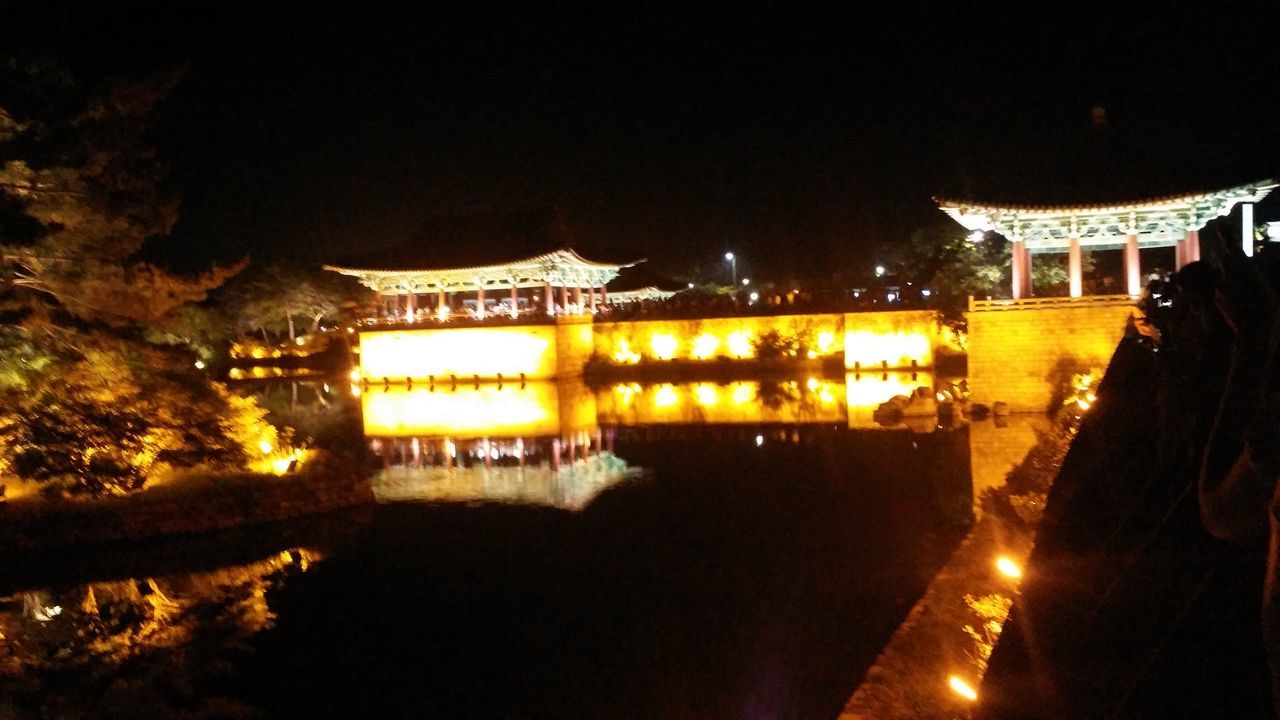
[(1173, 221), (534, 442)]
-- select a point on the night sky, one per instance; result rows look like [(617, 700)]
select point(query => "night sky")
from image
[(795, 138)]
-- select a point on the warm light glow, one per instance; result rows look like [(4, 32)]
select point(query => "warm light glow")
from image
[(665, 397), (266, 447), (280, 466), (442, 313), (663, 346), (879, 271), (624, 354), (962, 688), (739, 344), (705, 346), (487, 352), (826, 341), (811, 384), (870, 349), (706, 394), (728, 256), (759, 440), (1008, 568), (200, 365), (743, 393), (746, 282), (487, 411)]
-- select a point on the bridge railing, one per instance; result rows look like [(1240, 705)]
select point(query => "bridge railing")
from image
[(1039, 302)]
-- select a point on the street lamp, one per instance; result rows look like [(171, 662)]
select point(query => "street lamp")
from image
[(879, 271), (733, 263), (746, 282)]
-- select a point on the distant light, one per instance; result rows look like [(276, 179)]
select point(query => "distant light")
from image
[(690, 286), (199, 364), (300, 341), (759, 440), (728, 256), (755, 296), (879, 271), (746, 282), (926, 292), (351, 330), (265, 447), (962, 688), (1008, 567), (796, 291), (354, 375), (976, 236), (857, 293)]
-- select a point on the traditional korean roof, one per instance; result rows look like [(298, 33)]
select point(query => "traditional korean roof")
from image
[(1158, 221), (526, 249)]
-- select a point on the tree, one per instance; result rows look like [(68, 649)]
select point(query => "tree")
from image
[(943, 259), (277, 297), (88, 405)]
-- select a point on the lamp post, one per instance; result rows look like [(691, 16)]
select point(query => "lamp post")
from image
[(733, 264)]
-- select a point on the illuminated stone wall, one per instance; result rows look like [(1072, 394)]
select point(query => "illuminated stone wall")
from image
[(892, 339), (868, 340), (712, 338), (1021, 355), (484, 351)]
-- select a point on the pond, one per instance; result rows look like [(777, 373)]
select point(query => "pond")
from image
[(709, 550)]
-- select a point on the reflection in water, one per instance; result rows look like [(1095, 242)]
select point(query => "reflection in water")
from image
[(86, 628)]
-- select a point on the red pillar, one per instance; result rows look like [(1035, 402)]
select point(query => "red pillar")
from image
[(1019, 269), (1075, 268), (411, 304), (550, 302), (440, 301), (1132, 266), (592, 290), (564, 299), (480, 302), (1192, 251), (515, 306), (577, 298), (604, 295)]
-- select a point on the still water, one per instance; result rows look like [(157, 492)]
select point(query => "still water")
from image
[(696, 550)]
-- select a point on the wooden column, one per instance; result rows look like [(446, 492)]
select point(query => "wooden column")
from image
[(550, 301), (480, 302), (440, 300), (1075, 268), (577, 298), (592, 290), (1018, 276), (1132, 266), (410, 304), (1191, 253), (604, 295), (564, 299), (515, 302)]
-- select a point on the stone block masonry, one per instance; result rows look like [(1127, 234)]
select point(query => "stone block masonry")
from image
[(1024, 352)]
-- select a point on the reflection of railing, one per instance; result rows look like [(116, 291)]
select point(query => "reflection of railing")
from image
[(1026, 303)]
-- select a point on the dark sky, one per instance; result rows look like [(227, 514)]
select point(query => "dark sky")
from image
[(794, 137)]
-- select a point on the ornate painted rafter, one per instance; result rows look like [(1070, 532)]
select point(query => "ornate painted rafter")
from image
[(1157, 222), (559, 268)]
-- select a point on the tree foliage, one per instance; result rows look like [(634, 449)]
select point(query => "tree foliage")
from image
[(283, 299), (89, 406)]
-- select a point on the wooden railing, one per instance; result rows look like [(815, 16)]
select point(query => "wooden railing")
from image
[(1028, 303)]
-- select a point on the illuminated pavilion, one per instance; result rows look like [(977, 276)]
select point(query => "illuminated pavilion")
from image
[(1173, 221), (513, 264)]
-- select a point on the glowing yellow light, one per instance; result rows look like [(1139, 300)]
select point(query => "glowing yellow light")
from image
[(743, 394), (355, 391), (663, 346), (509, 411), (354, 374), (266, 447), (487, 352), (826, 397), (442, 313), (300, 341), (739, 344), (665, 397), (870, 349), (235, 373), (1008, 568), (259, 353), (811, 384), (280, 466), (706, 394), (624, 353), (705, 346), (199, 364), (962, 688), (826, 341)]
